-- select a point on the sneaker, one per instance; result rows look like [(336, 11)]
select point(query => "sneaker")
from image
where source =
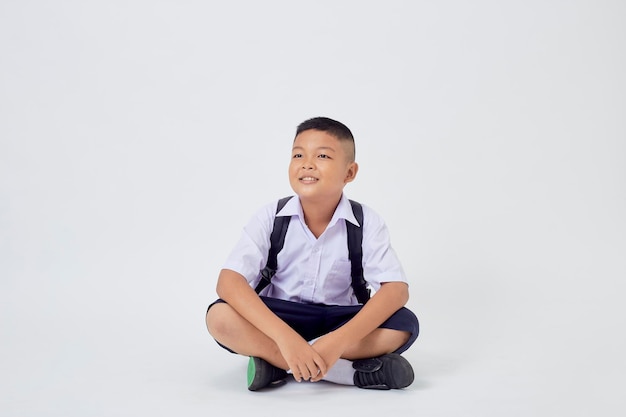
[(385, 372), (262, 374)]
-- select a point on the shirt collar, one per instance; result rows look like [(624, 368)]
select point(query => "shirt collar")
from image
[(343, 210)]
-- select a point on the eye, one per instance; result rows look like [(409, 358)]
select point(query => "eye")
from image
[(297, 155), (323, 156)]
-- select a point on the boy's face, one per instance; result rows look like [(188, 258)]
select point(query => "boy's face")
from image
[(320, 165)]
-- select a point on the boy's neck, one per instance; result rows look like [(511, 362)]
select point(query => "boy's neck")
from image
[(317, 214)]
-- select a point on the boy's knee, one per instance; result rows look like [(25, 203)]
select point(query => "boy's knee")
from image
[(215, 318)]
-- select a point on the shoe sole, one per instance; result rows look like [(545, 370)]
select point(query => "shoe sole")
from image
[(260, 374)]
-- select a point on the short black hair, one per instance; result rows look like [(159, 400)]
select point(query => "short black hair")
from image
[(326, 124), (330, 126)]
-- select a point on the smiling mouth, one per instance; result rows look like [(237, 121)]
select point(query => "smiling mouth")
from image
[(308, 179)]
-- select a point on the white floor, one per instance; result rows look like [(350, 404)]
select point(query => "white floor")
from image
[(115, 346), (137, 137)]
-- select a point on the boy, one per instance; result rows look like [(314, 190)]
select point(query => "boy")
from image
[(307, 321)]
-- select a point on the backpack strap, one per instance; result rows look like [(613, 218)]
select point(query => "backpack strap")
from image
[(277, 240), (355, 254)]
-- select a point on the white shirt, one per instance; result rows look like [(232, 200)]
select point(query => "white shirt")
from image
[(315, 270)]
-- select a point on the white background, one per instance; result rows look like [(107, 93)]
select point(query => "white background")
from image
[(137, 137)]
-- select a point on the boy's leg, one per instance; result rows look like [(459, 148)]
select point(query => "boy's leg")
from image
[(375, 361), (373, 366), (380, 342), (266, 366), (236, 334), (395, 335)]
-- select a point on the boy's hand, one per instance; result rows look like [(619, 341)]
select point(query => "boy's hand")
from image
[(304, 362), (330, 349)]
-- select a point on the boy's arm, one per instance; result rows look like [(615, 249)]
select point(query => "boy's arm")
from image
[(389, 298), (303, 360)]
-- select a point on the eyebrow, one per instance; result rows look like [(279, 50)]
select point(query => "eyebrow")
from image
[(321, 148)]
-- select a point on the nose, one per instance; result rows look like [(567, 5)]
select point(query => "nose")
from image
[(307, 163)]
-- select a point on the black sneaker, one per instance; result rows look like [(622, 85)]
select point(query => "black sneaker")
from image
[(385, 372), (262, 374)]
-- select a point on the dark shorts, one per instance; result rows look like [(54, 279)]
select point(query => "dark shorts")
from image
[(315, 320)]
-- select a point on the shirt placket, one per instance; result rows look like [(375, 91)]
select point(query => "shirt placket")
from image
[(311, 272)]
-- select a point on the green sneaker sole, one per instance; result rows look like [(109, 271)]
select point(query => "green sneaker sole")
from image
[(262, 374)]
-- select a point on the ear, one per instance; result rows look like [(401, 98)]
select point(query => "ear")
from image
[(353, 168)]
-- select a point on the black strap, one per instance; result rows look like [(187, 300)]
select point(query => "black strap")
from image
[(277, 240), (355, 252)]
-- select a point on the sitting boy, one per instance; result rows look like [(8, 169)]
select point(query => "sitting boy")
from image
[(308, 320)]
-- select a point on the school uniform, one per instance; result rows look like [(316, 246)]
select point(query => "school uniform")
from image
[(312, 288)]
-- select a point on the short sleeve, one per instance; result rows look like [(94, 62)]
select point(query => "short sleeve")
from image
[(380, 262), (249, 254)]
